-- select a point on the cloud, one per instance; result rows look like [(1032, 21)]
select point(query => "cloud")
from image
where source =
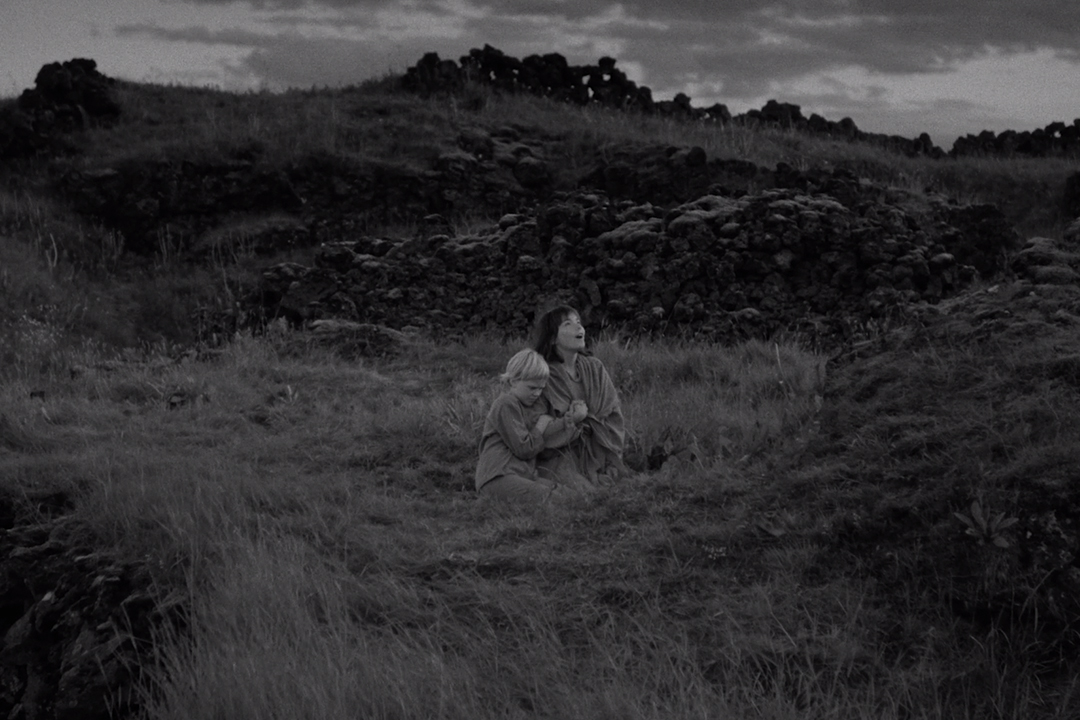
[(307, 46), (748, 43), (295, 4), (306, 62), (285, 59), (196, 34), (835, 57)]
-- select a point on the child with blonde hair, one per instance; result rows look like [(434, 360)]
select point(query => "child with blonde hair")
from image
[(518, 426)]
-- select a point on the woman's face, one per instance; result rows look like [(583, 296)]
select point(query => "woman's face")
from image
[(571, 337)]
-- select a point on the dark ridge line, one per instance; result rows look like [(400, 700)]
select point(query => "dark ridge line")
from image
[(550, 75)]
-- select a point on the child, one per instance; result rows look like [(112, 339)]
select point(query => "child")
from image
[(517, 428)]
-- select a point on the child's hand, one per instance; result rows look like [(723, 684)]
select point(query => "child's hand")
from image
[(542, 422), (578, 411)]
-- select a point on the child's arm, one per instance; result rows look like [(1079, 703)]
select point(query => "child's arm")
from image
[(523, 441)]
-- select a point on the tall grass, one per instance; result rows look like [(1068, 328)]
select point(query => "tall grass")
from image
[(318, 519), (321, 517), (729, 403)]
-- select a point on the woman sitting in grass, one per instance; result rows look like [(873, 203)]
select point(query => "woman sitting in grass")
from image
[(593, 456), (518, 428)]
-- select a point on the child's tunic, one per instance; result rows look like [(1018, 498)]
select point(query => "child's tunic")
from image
[(510, 441)]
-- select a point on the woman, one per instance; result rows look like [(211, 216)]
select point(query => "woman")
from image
[(595, 457)]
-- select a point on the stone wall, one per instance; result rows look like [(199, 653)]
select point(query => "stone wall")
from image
[(719, 266), (552, 76), (603, 84), (1055, 140)]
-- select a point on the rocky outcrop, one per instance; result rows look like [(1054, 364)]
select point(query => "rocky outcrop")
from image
[(718, 266), (66, 96), (77, 624)]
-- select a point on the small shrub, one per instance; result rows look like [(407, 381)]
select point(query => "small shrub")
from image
[(984, 526)]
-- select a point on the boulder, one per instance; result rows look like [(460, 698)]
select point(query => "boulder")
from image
[(533, 174)]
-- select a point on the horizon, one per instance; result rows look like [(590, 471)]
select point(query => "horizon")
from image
[(949, 72)]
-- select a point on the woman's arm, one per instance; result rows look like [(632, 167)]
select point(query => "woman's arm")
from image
[(605, 425)]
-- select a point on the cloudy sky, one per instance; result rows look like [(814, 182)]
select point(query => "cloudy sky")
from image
[(947, 67)]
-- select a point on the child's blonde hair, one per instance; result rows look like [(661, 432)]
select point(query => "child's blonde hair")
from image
[(526, 364)]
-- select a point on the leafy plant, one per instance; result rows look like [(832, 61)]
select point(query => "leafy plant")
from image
[(986, 527)]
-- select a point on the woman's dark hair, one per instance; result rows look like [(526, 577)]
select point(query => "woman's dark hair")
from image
[(546, 331)]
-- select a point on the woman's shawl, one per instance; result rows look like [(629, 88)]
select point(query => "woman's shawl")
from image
[(600, 447)]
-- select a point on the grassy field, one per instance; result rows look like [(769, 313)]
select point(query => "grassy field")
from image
[(318, 518)]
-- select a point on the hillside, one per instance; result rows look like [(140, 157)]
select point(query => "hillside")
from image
[(246, 342), (160, 183)]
